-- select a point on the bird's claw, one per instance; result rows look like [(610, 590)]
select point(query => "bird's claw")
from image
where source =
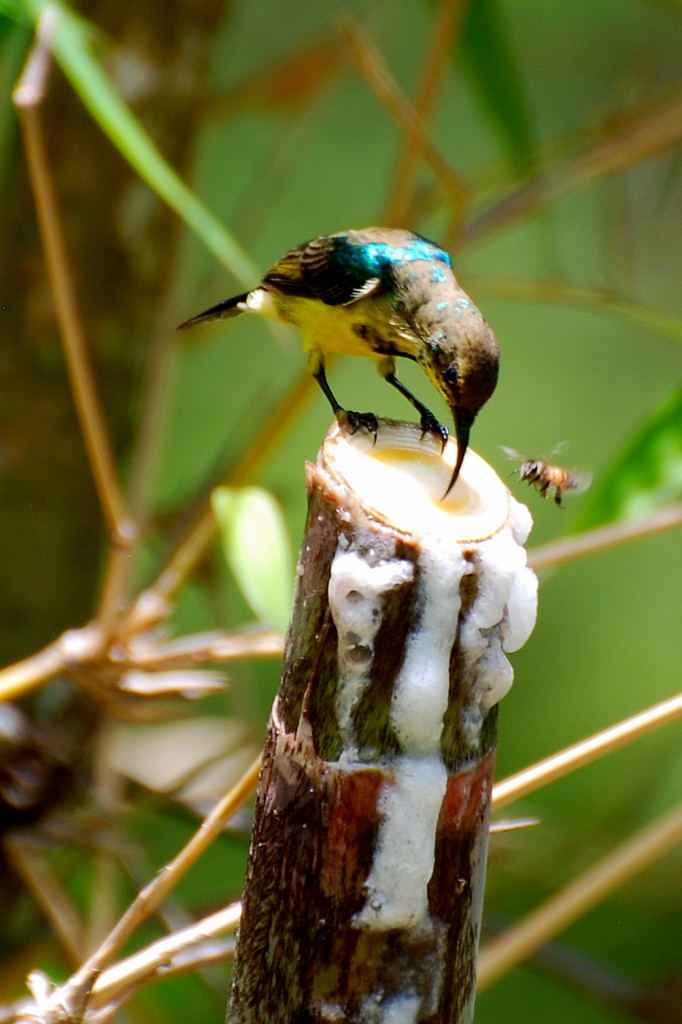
[(430, 425), (358, 421)]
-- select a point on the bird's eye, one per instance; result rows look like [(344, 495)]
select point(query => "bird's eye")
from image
[(450, 375)]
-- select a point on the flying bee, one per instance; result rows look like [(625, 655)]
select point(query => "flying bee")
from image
[(544, 475)]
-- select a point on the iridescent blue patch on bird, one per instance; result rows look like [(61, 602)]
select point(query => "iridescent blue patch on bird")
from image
[(358, 263), (442, 305), (437, 275), (379, 258), (420, 250)]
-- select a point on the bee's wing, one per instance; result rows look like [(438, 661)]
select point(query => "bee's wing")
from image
[(583, 479), (512, 453)]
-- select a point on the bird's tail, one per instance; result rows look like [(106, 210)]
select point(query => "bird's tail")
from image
[(228, 307)]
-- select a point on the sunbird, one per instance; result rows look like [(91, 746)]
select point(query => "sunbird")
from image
[(381, 293)]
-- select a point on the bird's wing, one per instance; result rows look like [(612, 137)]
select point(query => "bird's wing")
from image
[(314, 270)]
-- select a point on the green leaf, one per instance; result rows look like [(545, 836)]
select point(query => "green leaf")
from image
[(12, 9), (646, 475), (256, 546), (72, 48), (493, 71), (14, 39)]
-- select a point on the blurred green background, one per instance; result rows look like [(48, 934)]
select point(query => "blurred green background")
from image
[(561, 122)]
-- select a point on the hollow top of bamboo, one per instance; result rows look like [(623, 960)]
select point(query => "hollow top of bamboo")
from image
[(402, 478)]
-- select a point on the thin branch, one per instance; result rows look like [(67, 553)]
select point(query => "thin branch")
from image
[(561, 292), (74, 646), (90, 648), (194, 961), (166, 953), (586, 751), (114, 576), (604, 537), (189, 949), (54, 902), (28, 97), (107, 786), (151, 896), (159, 370), (579, 896), (22, 676), (71, 1000), (160, 364), (388, 92), (654, 130), (199, 648), (438, 51)]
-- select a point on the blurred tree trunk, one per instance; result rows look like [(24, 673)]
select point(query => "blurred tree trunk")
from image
[(118, 235)]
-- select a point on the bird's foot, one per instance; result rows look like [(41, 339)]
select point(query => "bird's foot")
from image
[(358, 421), (430, 425)]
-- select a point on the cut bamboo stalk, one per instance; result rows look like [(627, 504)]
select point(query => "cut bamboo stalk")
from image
[(367, 860)]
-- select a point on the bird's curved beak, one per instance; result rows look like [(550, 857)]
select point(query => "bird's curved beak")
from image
[(463, 421)]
